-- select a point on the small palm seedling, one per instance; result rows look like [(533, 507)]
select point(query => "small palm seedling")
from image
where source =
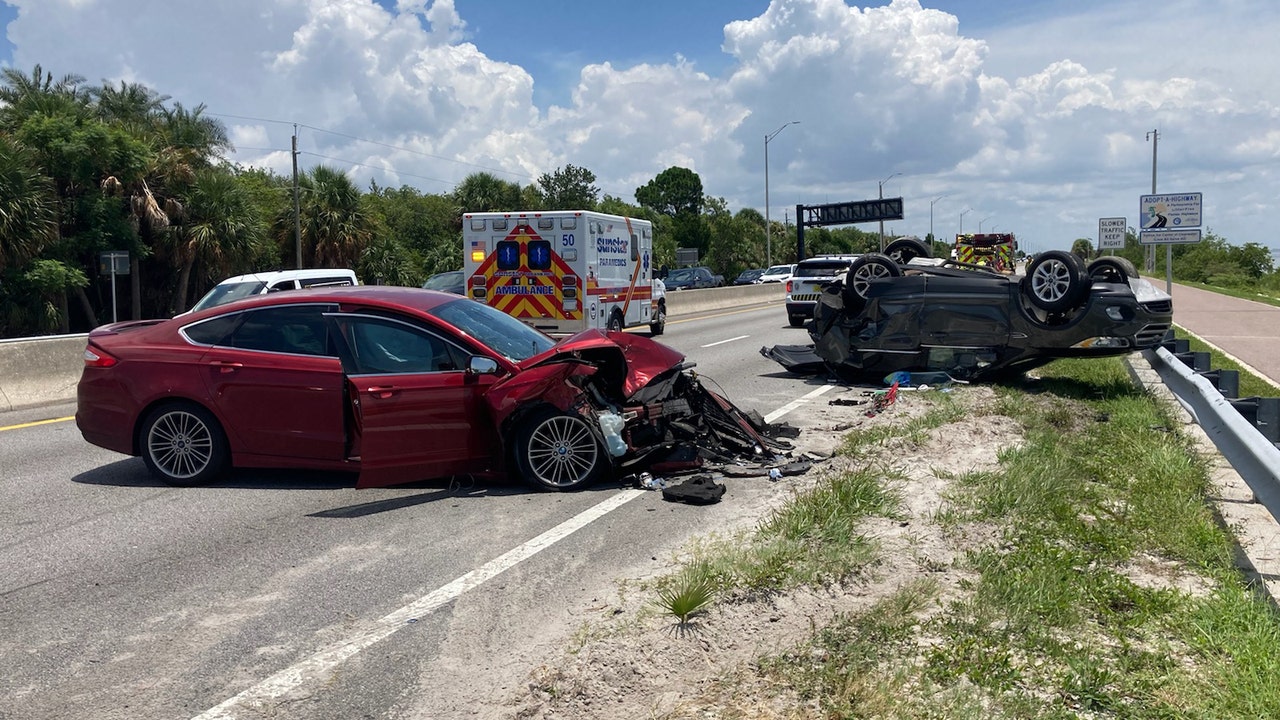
[(687, 594)]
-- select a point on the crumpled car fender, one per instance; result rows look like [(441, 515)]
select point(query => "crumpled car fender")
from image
[(549, 383)]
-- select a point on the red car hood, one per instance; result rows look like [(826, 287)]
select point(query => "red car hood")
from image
[(645, 359)]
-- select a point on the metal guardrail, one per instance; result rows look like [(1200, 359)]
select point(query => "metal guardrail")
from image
[(1239, 428)]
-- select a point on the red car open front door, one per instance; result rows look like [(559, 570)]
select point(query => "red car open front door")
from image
[(418, 414)]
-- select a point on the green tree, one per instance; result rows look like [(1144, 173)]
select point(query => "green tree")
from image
[(28, 206), (335, 231), (737, 241), (569, 188), (1082, 247), (130, 104), (220, 229), (22, 96), (485, 192), (674, 192), (677, 193), (385, 262)]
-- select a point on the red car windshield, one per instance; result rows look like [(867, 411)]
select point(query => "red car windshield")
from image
[(495, 329)]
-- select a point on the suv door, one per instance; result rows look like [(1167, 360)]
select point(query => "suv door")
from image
[(418, 413)]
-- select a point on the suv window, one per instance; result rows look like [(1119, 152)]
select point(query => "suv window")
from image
[(822, 268)]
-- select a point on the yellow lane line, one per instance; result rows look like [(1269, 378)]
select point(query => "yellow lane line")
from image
[(38, 422)]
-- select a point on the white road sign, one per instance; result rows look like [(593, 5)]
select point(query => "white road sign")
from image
[(1111, 233), (1160, 212), (1159, 237)]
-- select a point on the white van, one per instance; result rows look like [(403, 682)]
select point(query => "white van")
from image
[(243, 286)]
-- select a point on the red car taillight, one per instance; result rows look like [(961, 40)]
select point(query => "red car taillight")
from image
[(97, 358), (788, 286)]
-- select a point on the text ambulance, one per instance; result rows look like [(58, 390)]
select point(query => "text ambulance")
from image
[(564, 271)]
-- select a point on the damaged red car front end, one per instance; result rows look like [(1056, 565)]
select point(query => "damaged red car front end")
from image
[(599, 403)]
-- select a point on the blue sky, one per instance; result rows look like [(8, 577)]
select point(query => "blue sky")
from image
[(1026, 116)]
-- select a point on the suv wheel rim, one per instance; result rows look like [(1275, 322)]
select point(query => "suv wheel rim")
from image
[(863, 276), (1050, 280)]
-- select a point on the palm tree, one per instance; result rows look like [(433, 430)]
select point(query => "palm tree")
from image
[(183, 142), (335, 230), (131, 104), (220, 228), (28, 206), (23, 96), (483, 192)]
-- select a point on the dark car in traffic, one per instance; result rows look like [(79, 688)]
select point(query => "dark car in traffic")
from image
[(450, 281), (748, 277), (692, 278), (396, 384), (903, 310)]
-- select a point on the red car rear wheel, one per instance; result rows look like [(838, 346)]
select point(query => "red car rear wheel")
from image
[(183, 444)]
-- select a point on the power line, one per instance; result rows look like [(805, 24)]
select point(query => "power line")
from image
[(375, 167), (415, 152), (389, 146)]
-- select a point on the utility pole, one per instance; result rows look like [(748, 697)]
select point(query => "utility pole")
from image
[(297, 212), (962, 212), (1154, 137)]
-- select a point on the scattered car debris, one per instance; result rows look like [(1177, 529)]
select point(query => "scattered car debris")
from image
[(906, 311), (697, 490)]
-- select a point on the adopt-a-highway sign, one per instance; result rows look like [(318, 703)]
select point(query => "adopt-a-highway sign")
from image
[(1169, 212)]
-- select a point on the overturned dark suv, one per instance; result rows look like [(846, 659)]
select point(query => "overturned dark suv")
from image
[(904, 310)]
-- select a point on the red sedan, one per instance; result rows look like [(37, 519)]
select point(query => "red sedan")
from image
[(398, 384)]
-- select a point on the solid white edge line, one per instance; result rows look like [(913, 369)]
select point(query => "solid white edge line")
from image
[(796, 403), (721, 342), (1243, 365), (291, 677)]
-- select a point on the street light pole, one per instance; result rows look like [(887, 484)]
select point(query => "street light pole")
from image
[(768, 231), (982, 221), (882, 182), (931, 202), (962, 214)]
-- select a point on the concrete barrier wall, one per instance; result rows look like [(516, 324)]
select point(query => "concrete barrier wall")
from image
[(43, 371), (686, 302), (40, 371)]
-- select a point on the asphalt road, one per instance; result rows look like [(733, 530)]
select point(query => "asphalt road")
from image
[(292, 595), (1248, 330)]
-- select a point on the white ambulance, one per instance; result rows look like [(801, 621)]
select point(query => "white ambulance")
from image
[(563, 271)]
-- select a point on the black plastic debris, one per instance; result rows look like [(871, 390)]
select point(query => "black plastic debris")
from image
[(697, 490)]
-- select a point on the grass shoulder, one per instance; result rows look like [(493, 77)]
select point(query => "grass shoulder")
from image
[(1041, 549)]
